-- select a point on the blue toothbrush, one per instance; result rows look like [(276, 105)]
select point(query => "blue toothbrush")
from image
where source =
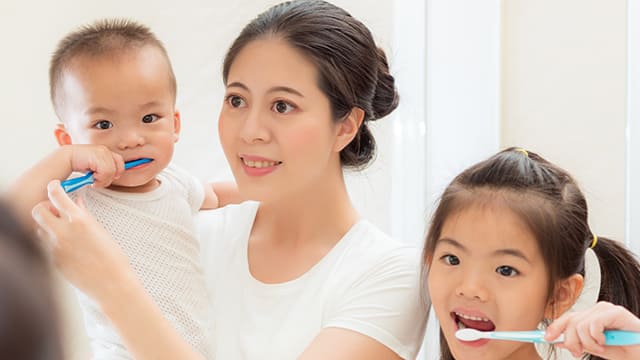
[(612, 337), (80, 181)]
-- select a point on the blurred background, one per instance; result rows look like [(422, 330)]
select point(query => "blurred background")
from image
[(558, 77)]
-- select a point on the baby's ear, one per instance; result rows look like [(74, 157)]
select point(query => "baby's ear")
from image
[(61, 134), (176, 126), (565, 294)]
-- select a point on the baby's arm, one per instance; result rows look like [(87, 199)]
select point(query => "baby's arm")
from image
[(30, 187), (583, 331), (220, 194)]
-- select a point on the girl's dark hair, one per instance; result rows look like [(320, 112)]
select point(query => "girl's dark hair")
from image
[(352, 70), (28, 322), (548, 200)]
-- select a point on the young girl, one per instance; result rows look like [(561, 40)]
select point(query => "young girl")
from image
[(506, 250)]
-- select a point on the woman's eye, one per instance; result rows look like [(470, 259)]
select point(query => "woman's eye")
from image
[(507, 271), (103, 125), (451, 260), (235, 101), (149, 118), (282, 107)]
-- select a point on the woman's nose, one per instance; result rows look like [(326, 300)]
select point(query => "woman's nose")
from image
[(254, 129)]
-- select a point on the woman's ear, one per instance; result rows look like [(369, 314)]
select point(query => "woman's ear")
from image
[(348, 128), (61, 134), (565, 294)]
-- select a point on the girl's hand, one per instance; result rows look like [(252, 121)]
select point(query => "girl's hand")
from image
[(82, 249), (584, 331)]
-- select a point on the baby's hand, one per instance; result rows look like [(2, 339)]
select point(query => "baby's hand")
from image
[(584, 331), (105, 164)]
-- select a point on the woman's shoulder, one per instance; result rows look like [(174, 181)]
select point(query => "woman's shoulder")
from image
[(368, 239), (370, 250), (222, 226)]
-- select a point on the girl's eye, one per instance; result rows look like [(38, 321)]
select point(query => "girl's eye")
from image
[(103, 125), (451, 260), (235, 101), (282, 107), (149, 118), (507, 271)]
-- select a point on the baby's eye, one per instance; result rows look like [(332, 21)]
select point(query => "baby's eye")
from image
[(149, 118), (507, 271), (282, 107), (235, 101), (103, 125), (451, 260)]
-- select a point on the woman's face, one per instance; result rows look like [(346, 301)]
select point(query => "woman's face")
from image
[(487, 273), (275, 126)]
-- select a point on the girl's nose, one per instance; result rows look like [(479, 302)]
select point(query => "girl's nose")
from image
[(473, 287)]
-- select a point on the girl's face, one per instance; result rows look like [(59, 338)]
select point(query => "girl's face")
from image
[(275, 126), (487, 273)]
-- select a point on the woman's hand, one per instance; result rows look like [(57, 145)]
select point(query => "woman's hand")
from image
[(584, 331), (82, 249)]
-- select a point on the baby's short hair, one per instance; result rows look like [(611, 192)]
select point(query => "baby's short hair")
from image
[(106, 37)]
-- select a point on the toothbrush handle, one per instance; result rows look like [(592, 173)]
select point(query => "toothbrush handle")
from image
[(621, 338), (74, 184)]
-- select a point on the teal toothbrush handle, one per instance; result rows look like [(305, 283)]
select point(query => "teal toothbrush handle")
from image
[(74, 184), (612, 337), (621, 338)]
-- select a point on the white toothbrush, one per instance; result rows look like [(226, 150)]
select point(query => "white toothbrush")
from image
[(612, 337)]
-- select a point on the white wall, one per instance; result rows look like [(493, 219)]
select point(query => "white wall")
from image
[(633, 126), (564, 94)]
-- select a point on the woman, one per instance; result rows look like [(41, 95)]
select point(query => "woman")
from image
[(29, 327), (297, 274)]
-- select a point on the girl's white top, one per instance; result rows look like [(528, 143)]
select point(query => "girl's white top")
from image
[(368, 283), (157, 232)]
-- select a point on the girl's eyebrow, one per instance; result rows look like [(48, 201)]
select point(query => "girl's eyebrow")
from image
[(454, 244), (512, 252), (500, 252)]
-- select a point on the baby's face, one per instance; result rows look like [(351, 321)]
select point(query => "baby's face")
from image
[(125, 103), (487, 273)]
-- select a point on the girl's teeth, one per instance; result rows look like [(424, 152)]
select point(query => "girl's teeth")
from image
[(474, 318)]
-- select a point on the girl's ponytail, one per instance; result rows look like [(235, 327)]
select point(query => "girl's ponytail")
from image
[(620, 275)]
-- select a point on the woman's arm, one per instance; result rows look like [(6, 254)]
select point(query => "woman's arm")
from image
[(90, 259), (380, 315), (343, 344)]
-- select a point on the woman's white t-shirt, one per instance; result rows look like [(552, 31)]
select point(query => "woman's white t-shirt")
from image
[(368, 283)]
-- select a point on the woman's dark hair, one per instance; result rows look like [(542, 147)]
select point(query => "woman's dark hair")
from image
[(548, 200), (28, 321), (352, 70)]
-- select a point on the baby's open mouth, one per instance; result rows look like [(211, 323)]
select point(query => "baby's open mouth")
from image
[(464, 321)]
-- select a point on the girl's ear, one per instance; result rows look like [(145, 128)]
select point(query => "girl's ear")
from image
[(348, 128), (565, 294), (61, 134)]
